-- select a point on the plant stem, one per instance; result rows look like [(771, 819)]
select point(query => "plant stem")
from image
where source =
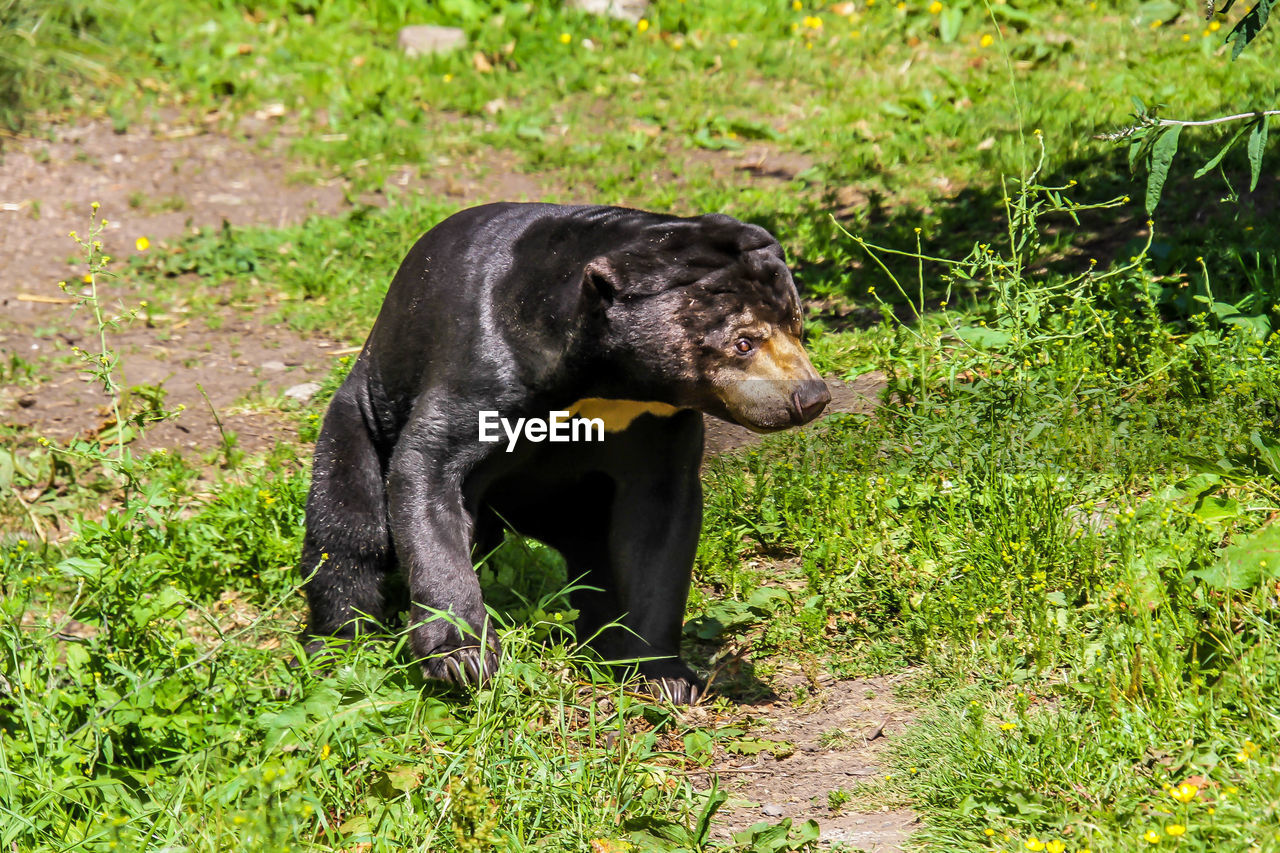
[(1169, 122)]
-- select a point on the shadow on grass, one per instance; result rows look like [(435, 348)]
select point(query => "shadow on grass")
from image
[(1195, 219)]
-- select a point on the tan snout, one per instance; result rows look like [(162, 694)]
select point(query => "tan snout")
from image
[(777, 389)]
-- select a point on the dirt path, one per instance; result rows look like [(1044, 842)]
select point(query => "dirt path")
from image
[(159, 182), (837, 736), (834, 741)]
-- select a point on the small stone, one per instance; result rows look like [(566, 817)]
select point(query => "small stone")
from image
[(771, 810), (303, 392), (424, 39), (26, 401), (275, 366), (624, 10)]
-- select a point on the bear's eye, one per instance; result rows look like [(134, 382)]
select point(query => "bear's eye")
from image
[(744, 345)]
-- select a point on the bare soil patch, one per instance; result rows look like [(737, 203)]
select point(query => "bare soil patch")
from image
[(159, 182), (838, 738)]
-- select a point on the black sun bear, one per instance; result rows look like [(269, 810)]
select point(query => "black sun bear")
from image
[(637, 322)]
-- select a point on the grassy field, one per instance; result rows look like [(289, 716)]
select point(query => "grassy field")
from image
[(1061, 519)]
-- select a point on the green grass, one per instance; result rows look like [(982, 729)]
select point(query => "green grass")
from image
[(45, 50), (1059, 519)]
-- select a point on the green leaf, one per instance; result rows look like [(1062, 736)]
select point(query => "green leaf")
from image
[(1249, 26), (983, 338), (1222, 152), (1257, 144), (698, 746), (1162, 151), (1213, 510), (404, 778), (1258, 325), (1140, 146), (949, 23), (1245, 564), (767, 599), (1268, 452), (715, 799), (655, 833), (753, 130), (755, 746), (358, 825)]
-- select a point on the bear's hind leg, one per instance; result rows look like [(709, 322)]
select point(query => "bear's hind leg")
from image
[(347, 557)]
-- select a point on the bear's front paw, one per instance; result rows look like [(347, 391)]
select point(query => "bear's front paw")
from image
[(466, 666), (674, 682), (677, 691)]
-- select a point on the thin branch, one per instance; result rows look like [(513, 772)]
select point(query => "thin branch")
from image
[(1166, 122), (1145, 122), (35, 522)]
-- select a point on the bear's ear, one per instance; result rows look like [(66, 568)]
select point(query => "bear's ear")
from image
[(600, 279)]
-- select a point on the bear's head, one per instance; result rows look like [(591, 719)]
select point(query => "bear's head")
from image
[(704, 313)]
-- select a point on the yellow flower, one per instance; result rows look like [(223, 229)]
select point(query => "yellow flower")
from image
[(1054, 846), (1184, 793), (142, 244), (987, 40), (1151, 836), (797, 5), (1033, 843), (935, 7), (87, 278), (1008, 727), (565, 38), (324, 752), (1214, 26), (642, 24), (1175, 829), (733, 42), (813, 22), (988, 832)]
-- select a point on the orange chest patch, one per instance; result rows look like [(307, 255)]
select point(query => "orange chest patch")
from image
[(617, 415)]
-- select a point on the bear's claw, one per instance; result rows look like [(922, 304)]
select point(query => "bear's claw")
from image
[(463, 667), (678, 691)]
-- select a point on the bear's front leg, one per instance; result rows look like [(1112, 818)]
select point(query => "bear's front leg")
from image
[(651, 558), (653, 537), (450, 634)]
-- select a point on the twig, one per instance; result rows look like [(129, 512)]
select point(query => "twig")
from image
[(35, 522), (222, 433), (1145, 122), (1165, 122)]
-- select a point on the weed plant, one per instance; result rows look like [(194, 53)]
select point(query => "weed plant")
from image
[(1036, 520)]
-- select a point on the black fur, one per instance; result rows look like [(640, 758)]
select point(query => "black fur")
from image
[(525, 309)]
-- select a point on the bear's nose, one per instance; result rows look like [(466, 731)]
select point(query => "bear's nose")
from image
[(808, 400)]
